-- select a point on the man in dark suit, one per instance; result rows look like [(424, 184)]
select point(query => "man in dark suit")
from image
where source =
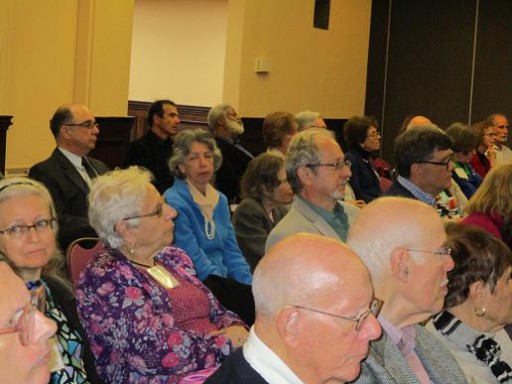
[(68, 172), (226, 127), (315, 316), (153, 150)]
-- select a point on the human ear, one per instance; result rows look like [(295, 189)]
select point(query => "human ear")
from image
[(304, 175), (288, 326), (400, 262)]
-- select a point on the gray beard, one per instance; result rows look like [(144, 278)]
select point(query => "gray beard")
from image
[(235, 128)]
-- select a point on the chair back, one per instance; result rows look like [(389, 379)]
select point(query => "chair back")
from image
[(79, 253)]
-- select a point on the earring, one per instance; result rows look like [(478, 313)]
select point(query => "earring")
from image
[(132, 248), (480, 312)]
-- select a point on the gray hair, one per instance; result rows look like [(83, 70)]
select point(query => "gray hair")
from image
[(22, 187), (306, 119), (114, 196), (181, 149), (303, 150), (216, 113)]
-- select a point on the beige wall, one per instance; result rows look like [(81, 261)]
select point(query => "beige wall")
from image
[(178, 51), (56, 52), (311, 68)]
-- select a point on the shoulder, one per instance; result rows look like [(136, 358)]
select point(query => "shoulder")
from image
[(397, 189), (235, 370), (350, 209), (50, 162)]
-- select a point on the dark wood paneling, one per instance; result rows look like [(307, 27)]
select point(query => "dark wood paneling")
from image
[(113, 140), (5, 123), (493, 79)]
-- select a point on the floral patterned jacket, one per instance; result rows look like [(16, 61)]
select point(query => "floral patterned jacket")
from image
[(129, 321)]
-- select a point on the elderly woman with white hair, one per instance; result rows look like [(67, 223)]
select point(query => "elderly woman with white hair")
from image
[(148, 317), (28, 223)]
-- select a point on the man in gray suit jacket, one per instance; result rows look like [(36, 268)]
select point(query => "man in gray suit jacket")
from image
[(318, 173), (68, 172), (401, 241)]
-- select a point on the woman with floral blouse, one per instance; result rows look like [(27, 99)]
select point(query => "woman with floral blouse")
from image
[(148, 318)]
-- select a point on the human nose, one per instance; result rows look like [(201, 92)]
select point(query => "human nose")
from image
[(451, 166), (33, 236), (170, 212), (372, 328), (44, 328), (448, 263)]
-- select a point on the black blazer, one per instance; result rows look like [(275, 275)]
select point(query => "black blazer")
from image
[(235, 370), (69, 192)]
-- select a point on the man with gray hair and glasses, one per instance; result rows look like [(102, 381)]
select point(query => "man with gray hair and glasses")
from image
[(401, 242), (318, 174), (315, 316), (68, 172)]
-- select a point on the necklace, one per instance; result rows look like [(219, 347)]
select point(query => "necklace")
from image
[(209, 228), (160, 275)]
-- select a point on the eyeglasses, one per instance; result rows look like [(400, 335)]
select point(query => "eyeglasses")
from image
[(21, 231), (337, 165), (24, 320), (85, 124), (374, 309), (375, 135), (444, 251), (157, 212), (446, 163)]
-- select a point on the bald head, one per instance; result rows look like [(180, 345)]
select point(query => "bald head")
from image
[(418, 121), (300, 268), (391, 222)]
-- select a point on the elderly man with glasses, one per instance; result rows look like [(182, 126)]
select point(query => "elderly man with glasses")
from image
[(68, 172), (318, 174), (402, 243), (315, 316)]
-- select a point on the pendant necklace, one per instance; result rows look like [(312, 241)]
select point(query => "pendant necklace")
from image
[(159, 274), (209, 228)]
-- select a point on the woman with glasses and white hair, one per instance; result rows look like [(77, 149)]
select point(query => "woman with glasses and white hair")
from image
[(148, 318), (478, 305), (28, 229)]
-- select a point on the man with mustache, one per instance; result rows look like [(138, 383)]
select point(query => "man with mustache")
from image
[(499, 123), (401, 242), (68, 172), (318, 174), (226, 127)]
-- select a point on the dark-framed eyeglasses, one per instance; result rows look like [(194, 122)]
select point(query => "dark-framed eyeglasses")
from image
[(157, 212), (443, 251), (375, 135), (24, 320), (374, 309), (445, 164), (21, 231), (337, 165), (85, 124)]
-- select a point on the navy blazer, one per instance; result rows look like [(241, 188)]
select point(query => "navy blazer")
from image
[(236, 370), (69, 193)]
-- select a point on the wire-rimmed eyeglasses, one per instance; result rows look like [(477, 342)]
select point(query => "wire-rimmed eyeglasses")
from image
[(443, 251), (24, 320), (337, 165), (21, 231), (374, 309)]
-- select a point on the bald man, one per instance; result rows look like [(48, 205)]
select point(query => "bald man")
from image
[(68, 172), (315, 316), (401, 241)]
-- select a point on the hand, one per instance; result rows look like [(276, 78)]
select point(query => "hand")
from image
[(491, 155), (236, 333)]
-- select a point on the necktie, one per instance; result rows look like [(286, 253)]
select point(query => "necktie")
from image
[(91, 172)]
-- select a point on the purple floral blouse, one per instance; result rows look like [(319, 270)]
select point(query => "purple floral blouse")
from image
[(129, 320)]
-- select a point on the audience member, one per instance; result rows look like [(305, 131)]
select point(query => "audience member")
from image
[(153, 150), (485, 156), (361, 134), (266, 193), (24, 332), (318, 173), (463, 145), (478, 305), (401, 241), (25, 205), (500, 126), (305, 330), (309, 119), (412, 121), (278, 130), (423, 160), (491, 206), (203, 226), (149, 319), (68, 172), (226, 127)]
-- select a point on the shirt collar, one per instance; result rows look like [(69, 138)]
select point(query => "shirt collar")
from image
[(404, 338), (416, 191), (264, 361), (75, 159)]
